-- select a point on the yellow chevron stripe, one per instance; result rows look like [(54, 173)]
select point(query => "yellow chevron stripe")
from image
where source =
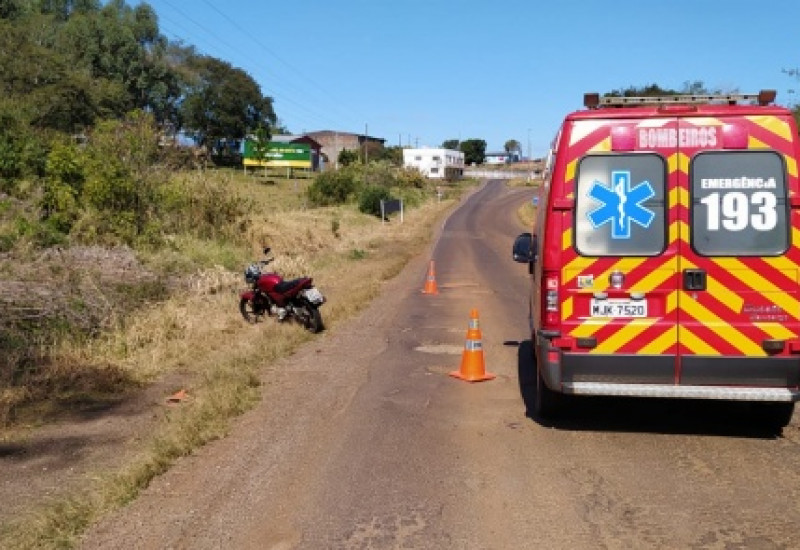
[(566, 239), (695, 344), (753, 279), (727, 297), (678, 197), (661, 344), (674, 233), (650, 282), (784, 265), (678, 161), (623, 336), (570, 172), (772, 124), (776, 330), (683, 233), (719, 291), (567, 308), (791, 165), (683, 197), (588, 328), (672, 301), (712, 322), (755, 143), (624, 265), (672, 163), (602, 146), (576, 266), (683, 163), (656, 277)]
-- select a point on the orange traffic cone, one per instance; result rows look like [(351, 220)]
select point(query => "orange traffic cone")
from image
[(473, 367), (430, 281)]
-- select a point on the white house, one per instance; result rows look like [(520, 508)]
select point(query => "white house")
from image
[(435, 163)]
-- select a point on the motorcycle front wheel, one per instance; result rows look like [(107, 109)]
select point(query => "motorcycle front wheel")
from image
[(311, 319), (249, 312)]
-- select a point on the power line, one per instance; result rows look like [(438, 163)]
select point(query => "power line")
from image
[(274, 55), (317, 116)]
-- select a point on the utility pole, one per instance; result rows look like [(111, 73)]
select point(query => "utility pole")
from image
[(366, 149), (529, 144)]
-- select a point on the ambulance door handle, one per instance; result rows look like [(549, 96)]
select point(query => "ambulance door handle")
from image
[(694, 279)]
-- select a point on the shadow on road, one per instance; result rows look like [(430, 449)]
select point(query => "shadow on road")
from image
[(619, 414)]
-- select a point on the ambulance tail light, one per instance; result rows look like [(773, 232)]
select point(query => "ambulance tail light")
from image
[(551, 310)]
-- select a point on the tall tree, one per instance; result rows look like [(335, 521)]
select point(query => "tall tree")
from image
[(474, 151), (512, 146), (223, 102)]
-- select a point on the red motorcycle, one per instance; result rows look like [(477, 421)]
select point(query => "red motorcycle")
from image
[(269, 294)]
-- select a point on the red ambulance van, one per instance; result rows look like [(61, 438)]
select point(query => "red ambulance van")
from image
[(665, 258)]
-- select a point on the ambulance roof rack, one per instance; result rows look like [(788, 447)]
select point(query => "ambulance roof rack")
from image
[(593, 100)]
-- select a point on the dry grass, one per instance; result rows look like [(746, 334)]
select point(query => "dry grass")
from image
[(527, 214), (199, 334)]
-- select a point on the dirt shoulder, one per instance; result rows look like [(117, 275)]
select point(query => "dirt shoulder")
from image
[(49, 463)]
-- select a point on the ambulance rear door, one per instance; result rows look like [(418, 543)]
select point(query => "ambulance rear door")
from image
[(738, 303), (619, 256)]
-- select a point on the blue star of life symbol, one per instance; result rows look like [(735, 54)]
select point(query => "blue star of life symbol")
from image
[(621, 204)]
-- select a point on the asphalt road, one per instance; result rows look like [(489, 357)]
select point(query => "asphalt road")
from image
[(364, 441)]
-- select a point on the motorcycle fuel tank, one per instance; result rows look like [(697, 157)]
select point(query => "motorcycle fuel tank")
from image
[(267, 282)]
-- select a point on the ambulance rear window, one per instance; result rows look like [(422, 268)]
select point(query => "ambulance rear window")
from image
[(619, 205), (739, 205)]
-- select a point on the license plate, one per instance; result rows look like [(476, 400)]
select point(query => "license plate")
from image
[(619, 308), (314, 296)]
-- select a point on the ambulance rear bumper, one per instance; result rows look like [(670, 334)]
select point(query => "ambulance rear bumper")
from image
[(767, 379), (686, 392)]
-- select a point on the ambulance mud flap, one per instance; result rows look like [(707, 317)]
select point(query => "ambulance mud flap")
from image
[(549, 360)]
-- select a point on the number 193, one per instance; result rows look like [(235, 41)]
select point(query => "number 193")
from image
[(732, 211)]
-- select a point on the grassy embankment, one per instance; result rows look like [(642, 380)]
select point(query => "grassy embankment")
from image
[(196, 335), (526, 212)]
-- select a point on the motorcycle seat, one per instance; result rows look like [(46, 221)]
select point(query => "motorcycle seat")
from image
[(285, 286)]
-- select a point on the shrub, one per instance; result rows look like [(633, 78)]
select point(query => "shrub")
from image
[(369, 201), (332, 188), (200, 206)]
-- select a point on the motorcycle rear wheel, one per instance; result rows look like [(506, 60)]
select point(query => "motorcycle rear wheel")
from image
[(312, 320), (249, 312)]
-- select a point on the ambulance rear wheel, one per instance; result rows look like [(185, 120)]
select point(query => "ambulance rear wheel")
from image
[(774, 415), (548, 403)]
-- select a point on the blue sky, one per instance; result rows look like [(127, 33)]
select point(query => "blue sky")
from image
[(419, 72)]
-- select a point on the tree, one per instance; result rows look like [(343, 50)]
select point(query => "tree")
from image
[(695, 87), (347, 157), (512, 146), (451, 144), (261, 144), (474, 151), (223, 102), (377, 152)]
